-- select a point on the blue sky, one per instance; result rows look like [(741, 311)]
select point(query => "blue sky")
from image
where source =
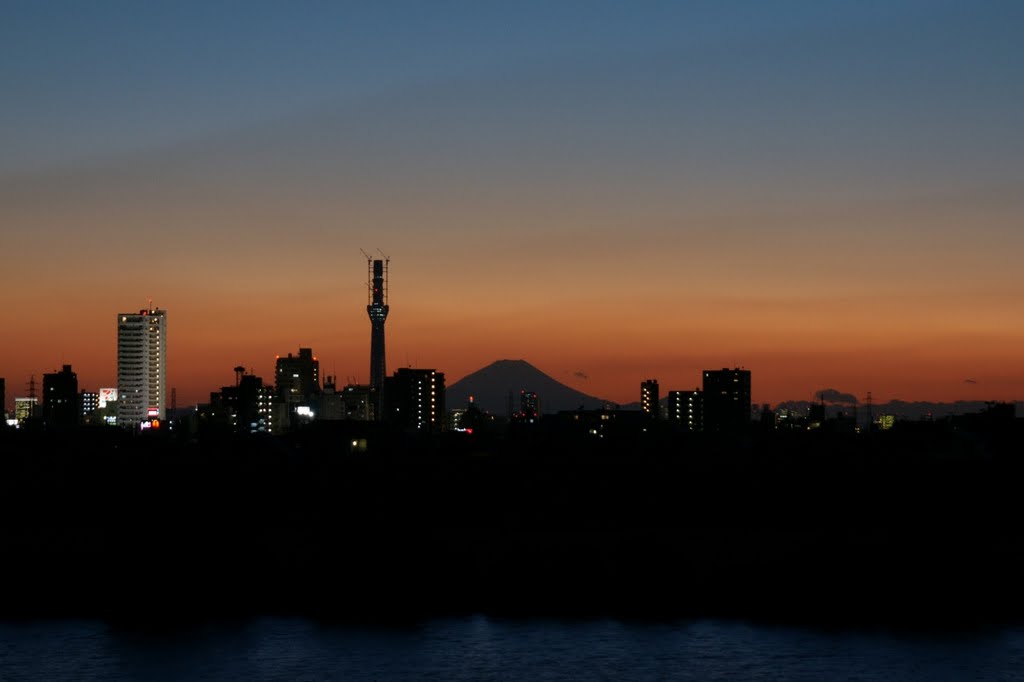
[(834, 186), (85, 80)]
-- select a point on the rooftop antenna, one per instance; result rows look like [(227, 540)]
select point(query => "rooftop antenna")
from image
[(239, 372), (32, 387)]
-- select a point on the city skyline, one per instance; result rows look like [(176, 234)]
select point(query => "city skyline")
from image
[(826, 195), (642, 401)]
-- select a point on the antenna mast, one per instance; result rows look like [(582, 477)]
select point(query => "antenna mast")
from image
[(871, 417), (369, 276), (387, 262)]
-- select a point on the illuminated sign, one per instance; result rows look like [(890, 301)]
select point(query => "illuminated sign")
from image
[(153, 412), (107, 395), (304, 411)]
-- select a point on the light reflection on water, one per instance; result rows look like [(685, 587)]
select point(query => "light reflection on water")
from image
[(483, 648)]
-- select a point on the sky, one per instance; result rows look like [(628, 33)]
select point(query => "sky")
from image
[(827, 193)]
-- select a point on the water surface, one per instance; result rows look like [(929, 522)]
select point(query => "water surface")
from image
[(484, 648)]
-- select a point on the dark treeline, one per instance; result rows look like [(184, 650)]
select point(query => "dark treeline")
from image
[(920, 525)]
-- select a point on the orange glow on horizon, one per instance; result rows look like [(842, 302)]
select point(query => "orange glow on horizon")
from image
[(894, 298), (791, 354)]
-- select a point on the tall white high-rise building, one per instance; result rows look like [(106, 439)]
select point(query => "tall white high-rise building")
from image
[(141, 366)]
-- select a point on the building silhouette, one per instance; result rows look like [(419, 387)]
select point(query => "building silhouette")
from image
[(360, 402), (248, 406), (649, 397), (141, 366), (297, 377), (88, 404), (816, 414), (106, 412), (60, 398), (331, 406), (3, 398), (297, 386), (377, 309), (726, 400), (25, 409), (529, 406), (603, 424), (456, 419), (686, 408), (415, 400)]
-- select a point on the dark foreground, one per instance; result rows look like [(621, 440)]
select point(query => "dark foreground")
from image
[(918, 528)]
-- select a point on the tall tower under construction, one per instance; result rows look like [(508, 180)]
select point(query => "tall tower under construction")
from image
[(377, 309)]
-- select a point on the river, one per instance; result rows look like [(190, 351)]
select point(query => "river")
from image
[(479, 648)]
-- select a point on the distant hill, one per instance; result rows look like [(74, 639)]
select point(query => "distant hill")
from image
[(490, 387), (899, 408)]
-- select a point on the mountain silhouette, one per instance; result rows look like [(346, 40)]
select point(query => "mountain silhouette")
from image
[(490, 387)]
